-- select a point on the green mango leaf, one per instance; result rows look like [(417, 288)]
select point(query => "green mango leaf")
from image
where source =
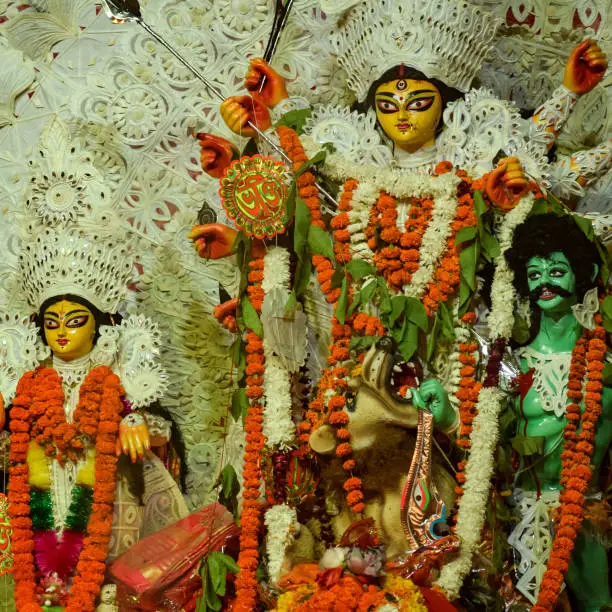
[(480, 206), (432, 338), (398, 306), (606, 313), (446, 322), (342, 304), (410, 339), (606, 375), (320, 242), (250, 316), (213, 571), (301, 279), (358, 269), (528, 445), (465, 296), (229, 489), (239, 356), (313, 161), (465, 234), (586, 225), (241, 246), (301, 228), (540, 207), (356, 301), (240, 404), (489, 245), (604, 269), (367, 292), (383, 294), (415, 312), (337, 278), (295, 119), (468, 257)]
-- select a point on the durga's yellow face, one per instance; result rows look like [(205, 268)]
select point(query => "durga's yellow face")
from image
[(409, 112), (70, 329)]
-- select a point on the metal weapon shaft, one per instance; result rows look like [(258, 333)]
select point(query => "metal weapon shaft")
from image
[(219, 95)]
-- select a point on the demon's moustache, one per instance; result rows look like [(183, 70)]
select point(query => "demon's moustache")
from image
[(534, 295)]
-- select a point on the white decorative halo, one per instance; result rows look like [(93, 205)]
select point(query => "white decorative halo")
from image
[(21, 350), (139, 342), (444, 39), (71, 263)]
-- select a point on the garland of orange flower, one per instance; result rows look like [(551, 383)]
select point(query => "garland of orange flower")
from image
[(400, 260), (576, 470), (330, 398), (447, 275), (250, 519), (96, 417), (467, 394)]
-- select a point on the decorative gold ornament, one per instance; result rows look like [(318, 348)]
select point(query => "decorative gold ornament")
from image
[(253, 193)]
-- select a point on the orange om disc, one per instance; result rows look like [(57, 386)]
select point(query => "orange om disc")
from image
[(253, 193)]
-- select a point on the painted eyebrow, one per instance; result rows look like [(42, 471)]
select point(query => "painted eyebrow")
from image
[(420, 91), (52, 314), (409, 96)]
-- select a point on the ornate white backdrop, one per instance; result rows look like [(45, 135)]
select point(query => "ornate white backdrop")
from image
[(131, 109)]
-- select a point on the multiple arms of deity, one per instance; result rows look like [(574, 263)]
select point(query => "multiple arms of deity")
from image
[(584, 70)]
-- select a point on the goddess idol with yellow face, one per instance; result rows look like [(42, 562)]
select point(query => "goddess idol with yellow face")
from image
[(73, 417)]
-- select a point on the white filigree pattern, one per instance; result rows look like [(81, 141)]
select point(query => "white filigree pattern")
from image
[(550, 375)]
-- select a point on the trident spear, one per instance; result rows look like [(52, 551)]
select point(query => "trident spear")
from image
[(128, 11)]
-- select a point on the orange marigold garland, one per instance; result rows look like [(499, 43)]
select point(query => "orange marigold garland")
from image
[(250, 519), (576, 472), (330, 398), (467, 394), (97, 417)]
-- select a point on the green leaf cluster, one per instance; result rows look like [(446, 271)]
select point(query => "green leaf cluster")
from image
[(476, 245), (229, 487), (295, 119), (214, 570)]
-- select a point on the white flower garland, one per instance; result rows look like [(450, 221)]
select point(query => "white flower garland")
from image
[(281, 521), (398, 183), (478, 472), (278, 426), (433, 244), (276, 270), (401, 184), (503, 294), (364, 197)]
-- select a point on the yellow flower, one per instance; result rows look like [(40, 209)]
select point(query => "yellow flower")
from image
[(38, 466), (409, 595)]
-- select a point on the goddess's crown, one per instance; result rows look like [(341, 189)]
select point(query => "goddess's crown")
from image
[(445, 39), (90, 267)]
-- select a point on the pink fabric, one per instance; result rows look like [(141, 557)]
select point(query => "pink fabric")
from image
[(60, 557)]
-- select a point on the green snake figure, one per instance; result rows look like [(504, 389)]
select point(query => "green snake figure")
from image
[(556, 266)]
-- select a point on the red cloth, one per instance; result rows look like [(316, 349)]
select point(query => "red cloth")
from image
[(160, 572)]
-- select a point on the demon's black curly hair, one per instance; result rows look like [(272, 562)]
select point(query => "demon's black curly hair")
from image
[(542, 235), (447, 93)]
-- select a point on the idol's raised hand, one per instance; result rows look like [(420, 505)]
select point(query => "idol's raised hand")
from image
[(216, 154), (213, 240), (264, 80), (239, 111), (585, 67), (507, 183)]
